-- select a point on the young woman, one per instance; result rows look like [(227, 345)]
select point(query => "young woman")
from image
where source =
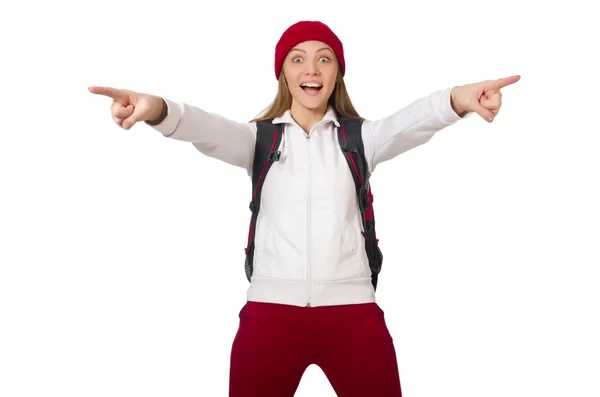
[(310, 300)]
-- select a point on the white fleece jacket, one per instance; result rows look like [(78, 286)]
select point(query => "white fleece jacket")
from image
[(309, 249)]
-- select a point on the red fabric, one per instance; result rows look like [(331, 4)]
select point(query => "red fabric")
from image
[(306, 31), (276, 343)]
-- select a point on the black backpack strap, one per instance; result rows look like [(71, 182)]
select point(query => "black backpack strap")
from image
[(351, 143), (268, 138)]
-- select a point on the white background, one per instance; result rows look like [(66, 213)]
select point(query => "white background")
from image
[(121, 252)]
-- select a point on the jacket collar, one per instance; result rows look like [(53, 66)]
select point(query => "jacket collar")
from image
[(330, 115)]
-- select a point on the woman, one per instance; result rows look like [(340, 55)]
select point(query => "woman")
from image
[(310, 299)]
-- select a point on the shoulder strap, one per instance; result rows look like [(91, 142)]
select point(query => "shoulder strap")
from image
[(351, 144), (268, 138)]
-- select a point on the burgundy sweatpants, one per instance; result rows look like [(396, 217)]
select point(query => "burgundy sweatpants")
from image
[(276, 343)]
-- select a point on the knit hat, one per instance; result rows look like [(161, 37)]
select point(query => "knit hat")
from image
[(305, 31)]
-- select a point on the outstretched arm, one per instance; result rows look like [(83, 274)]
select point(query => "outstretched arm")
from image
[(416, 123), (212, 134)]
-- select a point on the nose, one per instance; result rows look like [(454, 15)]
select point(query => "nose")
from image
[(312, 67)]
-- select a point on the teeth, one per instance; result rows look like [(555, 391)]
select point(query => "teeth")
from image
[(314, 85)]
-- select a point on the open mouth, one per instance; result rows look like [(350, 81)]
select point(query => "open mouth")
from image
[(311, 88)]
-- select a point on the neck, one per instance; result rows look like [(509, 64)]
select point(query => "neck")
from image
[(307, 118)]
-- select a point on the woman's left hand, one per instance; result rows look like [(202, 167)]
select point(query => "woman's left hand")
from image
[(483, 98)]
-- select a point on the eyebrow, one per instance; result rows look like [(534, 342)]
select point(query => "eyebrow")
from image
[(320, 49)]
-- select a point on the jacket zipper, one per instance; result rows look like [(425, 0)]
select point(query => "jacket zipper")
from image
[(308, 222)]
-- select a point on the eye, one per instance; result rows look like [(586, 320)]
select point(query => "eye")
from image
[(324, 59), (296, 59)]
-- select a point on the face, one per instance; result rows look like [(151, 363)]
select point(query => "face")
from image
[(310, 70)]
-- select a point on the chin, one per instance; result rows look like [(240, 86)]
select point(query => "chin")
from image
[(317, 102), (314, 105)]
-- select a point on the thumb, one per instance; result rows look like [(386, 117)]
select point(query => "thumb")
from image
[(131, 120), (485, 113)]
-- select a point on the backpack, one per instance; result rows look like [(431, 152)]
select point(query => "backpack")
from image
[(268, 138)]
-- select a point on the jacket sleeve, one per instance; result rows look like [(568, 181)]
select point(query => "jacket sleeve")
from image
[(407, 128), (212, 134)]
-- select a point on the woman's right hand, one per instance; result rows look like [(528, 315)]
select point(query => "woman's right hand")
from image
[(129, 107)]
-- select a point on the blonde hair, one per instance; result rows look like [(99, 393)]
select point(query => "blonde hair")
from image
[(339, 100)]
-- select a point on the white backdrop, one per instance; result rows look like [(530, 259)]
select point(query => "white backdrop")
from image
[(121, 252)]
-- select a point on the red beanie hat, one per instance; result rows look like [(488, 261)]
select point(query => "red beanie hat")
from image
[(305, 31)]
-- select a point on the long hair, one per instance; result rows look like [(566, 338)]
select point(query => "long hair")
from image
[(339, 100)]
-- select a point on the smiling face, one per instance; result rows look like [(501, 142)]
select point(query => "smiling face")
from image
[(310, 70)]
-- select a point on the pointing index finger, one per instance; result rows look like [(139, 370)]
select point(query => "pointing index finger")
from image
[(115, 93), (503, 82)]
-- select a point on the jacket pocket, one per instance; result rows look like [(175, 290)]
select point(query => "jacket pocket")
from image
[(340, 255), (277, 255)]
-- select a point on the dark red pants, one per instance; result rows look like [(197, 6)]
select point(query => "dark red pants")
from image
[(276, 343)]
